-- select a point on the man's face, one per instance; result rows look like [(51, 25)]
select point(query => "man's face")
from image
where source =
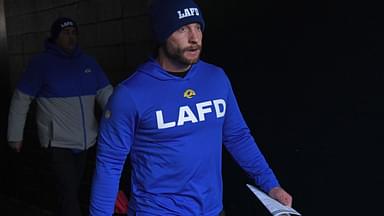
[(184, 45), (67, 39)]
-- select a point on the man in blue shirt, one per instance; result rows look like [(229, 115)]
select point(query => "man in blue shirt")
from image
[(173, 116), (66, 83)]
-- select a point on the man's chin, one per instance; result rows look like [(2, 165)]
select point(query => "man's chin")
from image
[(185, 60), (194, 60), (191, 60)]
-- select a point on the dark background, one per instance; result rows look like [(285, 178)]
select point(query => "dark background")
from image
[(309, 79), (308, 76)]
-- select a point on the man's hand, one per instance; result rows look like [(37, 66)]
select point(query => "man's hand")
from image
[(16, 145), (281, 195)]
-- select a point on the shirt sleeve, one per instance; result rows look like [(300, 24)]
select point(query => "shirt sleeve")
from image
[(116, 135), (104, 88), (243, 148), (102, 95), (27, 88), (18, 111), (31, 79)]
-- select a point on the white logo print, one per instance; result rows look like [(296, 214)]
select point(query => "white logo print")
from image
[(66, 24), (218, 107), (188, 12), (87, 70)]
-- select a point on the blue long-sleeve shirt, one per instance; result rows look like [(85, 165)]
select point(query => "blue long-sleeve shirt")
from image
[(174, 129)]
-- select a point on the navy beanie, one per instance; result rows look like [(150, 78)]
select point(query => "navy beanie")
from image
[(59, 24), (169, 15)]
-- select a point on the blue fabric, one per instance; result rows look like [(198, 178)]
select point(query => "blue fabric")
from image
[(169, 15), (174, 129), (55, 73)]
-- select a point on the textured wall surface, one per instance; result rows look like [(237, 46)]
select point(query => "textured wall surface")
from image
[(114, 32)]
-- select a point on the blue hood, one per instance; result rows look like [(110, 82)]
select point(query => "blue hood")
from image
[(52, 48)]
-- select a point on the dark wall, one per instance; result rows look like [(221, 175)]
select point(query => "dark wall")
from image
[(308, 77), (4, 86)]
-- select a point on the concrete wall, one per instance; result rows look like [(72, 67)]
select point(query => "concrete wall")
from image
[(115, 32)]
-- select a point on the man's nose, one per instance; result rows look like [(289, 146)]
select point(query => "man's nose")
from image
[(193, 35)]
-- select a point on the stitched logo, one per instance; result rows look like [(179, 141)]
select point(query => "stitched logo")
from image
[(189, 93)]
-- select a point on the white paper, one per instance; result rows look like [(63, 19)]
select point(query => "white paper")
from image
[(273, 206)]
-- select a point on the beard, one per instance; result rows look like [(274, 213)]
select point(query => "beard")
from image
[(176, 54)]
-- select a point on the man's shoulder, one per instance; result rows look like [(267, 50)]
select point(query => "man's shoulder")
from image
[(210, 69), (131, 79), (209, 66), (40, 56), (39, 60)]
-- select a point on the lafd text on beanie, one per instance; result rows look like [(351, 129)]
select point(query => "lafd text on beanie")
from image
[(169, 15)]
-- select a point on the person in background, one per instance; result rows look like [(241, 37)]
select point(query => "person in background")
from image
[(66, 84), (173, 116)]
